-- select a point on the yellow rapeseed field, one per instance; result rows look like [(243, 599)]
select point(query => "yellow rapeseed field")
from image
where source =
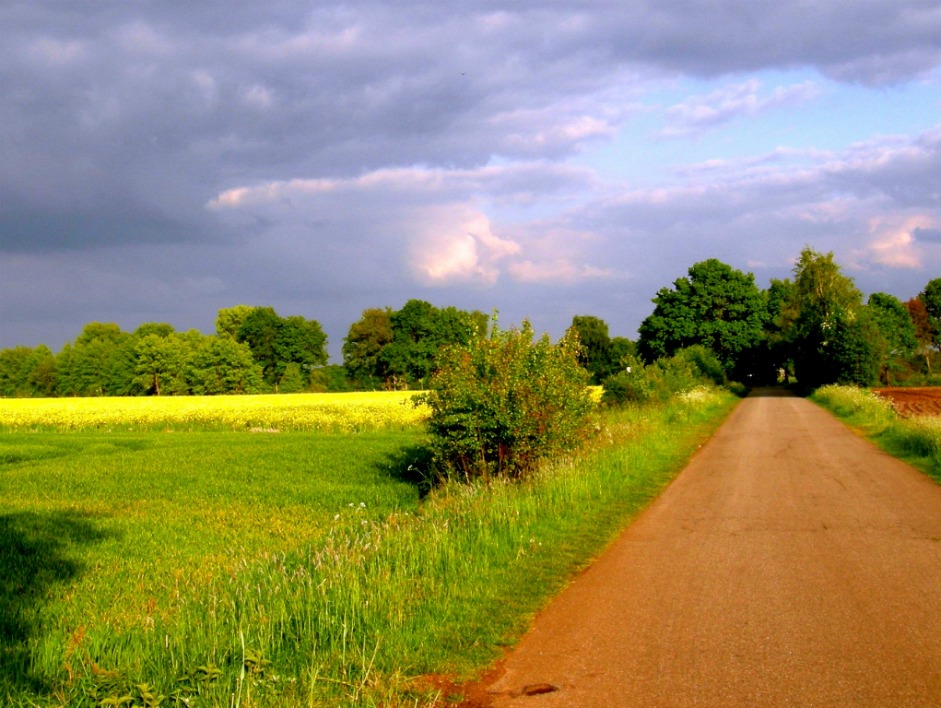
[(334, 412)]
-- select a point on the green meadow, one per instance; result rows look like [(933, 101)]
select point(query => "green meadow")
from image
[(283, 569)]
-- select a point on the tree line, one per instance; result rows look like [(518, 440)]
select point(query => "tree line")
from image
[(814, 326), (253, 350)]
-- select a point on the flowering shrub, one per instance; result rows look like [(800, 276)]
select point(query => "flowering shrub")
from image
[(501, 404)]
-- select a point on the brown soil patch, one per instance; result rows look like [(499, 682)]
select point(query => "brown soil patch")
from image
[(909, 402)]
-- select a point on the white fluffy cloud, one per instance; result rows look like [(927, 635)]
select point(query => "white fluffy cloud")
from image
[(454, 243)]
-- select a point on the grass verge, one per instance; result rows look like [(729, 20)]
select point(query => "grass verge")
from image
[(914, 440), (244, 578)]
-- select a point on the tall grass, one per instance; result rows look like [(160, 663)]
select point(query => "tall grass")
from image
[(916, 440), (347, 609)]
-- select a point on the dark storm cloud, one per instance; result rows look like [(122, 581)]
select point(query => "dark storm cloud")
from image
[(123, 123), (205, 93)]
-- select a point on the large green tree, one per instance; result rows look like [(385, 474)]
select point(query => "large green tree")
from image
[(161, 356), (100, 362), (594, 346), (716, 306), (277, 342), (229, 320), (302, 342), (222, 365), (363, 346), (419, 331), (832, 339)]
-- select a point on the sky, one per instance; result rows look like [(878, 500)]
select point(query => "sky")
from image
[(162, 160)]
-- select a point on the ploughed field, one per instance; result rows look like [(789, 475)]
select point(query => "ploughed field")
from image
[(911, 402)]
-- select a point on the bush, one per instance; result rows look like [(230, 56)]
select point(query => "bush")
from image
[(686, 370), (704, 362), (634, 384), (502, 404)]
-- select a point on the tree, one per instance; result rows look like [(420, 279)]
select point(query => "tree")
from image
[(221, 365), (925, 331), (931, 297), (42, 376), (594, 346), (27, 372), (259, 330), (419, 331), (160, 362), (100, 362), (330, 379), (292, 379), (777, 355), (411, 354), (830, 342), (894, 334), (852, 356), (276, 342), (716, 306), (161, 329), (503, 403), (302, 342), (229, 320), (363, 347), (622, 349)]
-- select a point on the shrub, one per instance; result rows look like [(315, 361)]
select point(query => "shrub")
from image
[(686, 370), (503, 403), (704, 362)]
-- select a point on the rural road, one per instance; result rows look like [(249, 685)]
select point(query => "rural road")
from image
[(791, 564)]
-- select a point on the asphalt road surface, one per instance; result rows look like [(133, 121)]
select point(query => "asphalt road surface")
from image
[(791, 564)]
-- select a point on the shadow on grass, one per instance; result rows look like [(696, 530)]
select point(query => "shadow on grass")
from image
[(35, 557), (411, 465)]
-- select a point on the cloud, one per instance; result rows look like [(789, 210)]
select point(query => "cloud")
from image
[(700, 113), (870, 204), (455, 243), (892, 243), (161, 108), (926, 235), (179, 157), (435, 216), (557, 271), (878, 42)]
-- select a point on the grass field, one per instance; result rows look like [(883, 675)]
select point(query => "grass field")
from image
[(221, 568), (112, 543)]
